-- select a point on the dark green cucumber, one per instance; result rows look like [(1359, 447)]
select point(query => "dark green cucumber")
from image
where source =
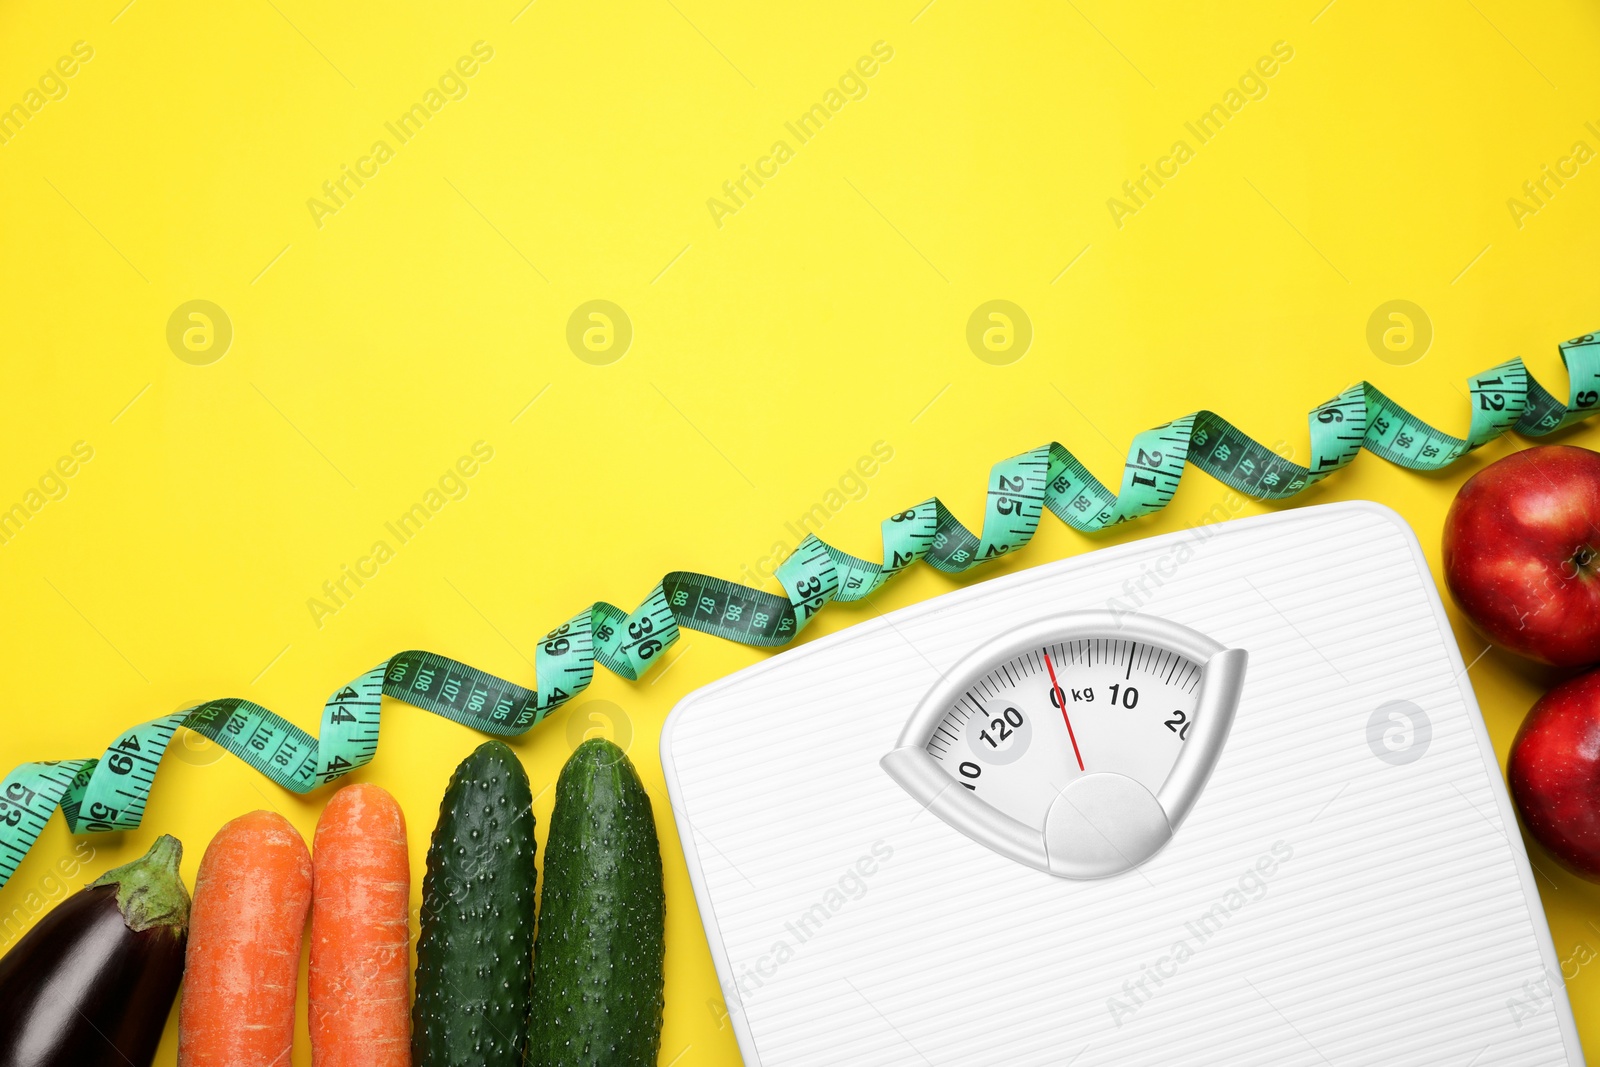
[(597, 973), (475, 952)]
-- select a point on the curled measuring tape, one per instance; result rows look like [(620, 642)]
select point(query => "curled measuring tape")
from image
[(109, 793)]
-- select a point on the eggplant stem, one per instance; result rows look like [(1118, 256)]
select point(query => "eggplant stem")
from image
[(150, 892)]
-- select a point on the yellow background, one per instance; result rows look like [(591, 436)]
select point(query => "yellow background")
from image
[(828, 313)]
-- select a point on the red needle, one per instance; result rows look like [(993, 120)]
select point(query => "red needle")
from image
[(1061, 698)]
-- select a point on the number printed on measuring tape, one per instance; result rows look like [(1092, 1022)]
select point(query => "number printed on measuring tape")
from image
[(110, 792)]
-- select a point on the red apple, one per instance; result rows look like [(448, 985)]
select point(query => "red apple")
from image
[(1522, 553), (1554, 771)]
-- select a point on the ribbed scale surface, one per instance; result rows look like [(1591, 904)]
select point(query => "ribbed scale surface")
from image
[(1397, 921)]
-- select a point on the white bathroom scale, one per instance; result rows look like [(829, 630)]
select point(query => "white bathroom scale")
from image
[(1222, 796)]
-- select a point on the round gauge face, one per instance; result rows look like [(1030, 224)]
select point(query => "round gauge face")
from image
[(1027, 727)]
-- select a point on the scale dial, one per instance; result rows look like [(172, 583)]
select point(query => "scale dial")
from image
[(1028, 727), (1075, 743)]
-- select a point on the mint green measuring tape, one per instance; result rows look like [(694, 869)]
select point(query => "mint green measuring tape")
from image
[(109, 793)]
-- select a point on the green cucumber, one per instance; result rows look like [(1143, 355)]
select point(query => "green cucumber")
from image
[(475, 952), (597, 977)]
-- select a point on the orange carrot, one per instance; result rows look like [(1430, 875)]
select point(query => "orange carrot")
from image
[(360, 933), (245, 929)]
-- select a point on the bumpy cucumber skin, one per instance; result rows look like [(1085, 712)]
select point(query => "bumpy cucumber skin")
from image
[(475, 952), (597, 978)]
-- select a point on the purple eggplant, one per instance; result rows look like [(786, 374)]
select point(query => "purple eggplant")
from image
[(92, 983)]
